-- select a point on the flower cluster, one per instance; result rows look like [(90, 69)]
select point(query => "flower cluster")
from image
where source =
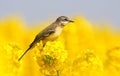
[(113, 59), (88, 63), (12, 53), (51, 57), (85, 63)]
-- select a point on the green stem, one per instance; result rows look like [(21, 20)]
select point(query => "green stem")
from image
[(58, 73)]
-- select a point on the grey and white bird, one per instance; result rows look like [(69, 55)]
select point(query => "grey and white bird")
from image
[(50, 33)]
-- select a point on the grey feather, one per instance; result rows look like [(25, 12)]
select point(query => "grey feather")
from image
[(45, 33)]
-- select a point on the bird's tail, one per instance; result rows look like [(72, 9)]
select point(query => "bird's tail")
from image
[(24, 53)]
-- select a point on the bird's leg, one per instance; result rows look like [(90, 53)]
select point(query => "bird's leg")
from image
[(44, 45)]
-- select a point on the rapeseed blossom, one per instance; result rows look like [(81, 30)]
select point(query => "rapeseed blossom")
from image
[(51, 58), (10, 65), (81, 50)]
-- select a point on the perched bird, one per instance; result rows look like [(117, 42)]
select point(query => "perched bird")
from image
[(50, 33)]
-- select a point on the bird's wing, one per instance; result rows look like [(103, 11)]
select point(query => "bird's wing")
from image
[(43, 34), (48, 31)]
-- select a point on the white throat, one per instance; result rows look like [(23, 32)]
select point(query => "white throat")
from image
[(64, 22)]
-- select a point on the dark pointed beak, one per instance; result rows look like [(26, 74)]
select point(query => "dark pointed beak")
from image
[(70, 21)]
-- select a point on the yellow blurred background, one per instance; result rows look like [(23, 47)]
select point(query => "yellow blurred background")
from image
[(91, 50)]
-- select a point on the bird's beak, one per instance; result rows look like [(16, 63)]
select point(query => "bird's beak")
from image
[(70, 21)]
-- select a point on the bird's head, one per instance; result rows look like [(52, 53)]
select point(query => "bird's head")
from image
[(63, 20)]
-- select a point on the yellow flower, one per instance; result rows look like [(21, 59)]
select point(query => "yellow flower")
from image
[(9, 63), (51, 58), (85, 63), (12, 29), (113, 60)]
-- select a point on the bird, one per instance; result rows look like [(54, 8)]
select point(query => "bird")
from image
[(50, 33)]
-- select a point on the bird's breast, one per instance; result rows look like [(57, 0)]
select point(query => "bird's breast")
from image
[(55, 35), (58, 31)]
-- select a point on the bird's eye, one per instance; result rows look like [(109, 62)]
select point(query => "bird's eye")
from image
[(65, 19)]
